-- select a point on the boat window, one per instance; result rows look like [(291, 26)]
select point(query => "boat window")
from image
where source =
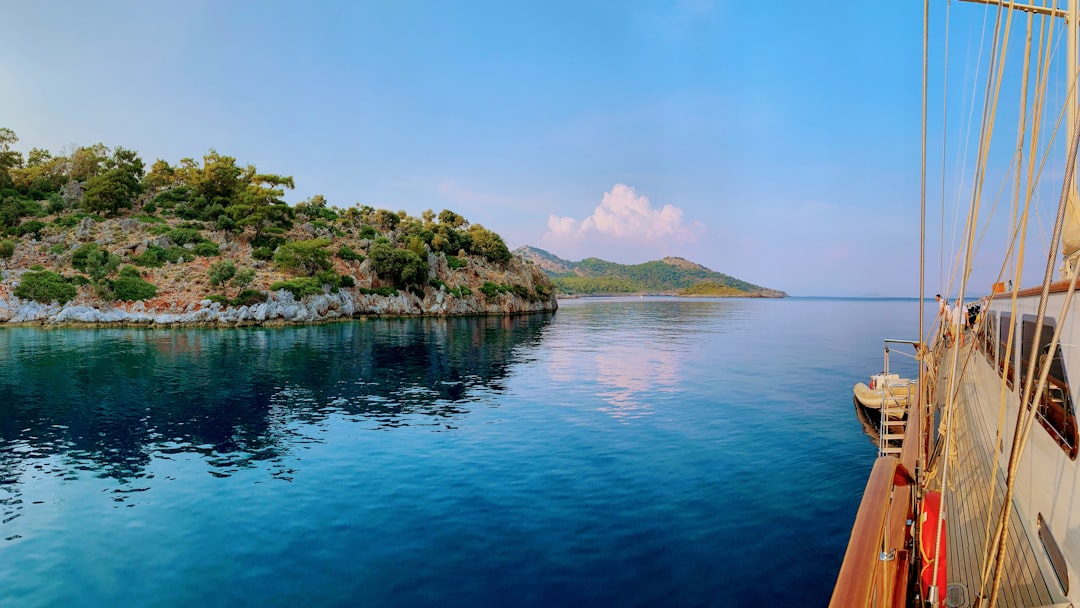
[(1056, 413), (1005, 367)]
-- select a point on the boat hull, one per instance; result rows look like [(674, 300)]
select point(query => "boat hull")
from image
[(895, 398)]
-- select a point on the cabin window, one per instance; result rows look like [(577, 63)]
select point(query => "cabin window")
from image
[(989, 340), (1005, 367), (1055, 409)]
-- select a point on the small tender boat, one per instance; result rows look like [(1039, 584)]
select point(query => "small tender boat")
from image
[(892, 390)]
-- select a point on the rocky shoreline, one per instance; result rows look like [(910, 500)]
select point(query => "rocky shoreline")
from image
[(280, 308)]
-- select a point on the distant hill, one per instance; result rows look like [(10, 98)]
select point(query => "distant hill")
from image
[(669, 276)]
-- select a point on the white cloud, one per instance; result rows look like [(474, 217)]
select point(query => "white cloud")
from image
[(624, 215)]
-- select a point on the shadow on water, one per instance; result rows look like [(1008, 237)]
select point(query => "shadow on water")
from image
[(112, 400)]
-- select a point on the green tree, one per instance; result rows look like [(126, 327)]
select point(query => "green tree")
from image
[(385, 220), (94, 261), (117, 187), (9, 159), (316, 208), (399, 266), (37, 157), (220, 272), (87, 161), (488, 244), (416, 245), (452, 220), (161, 175), (307, 257), (243, 278), (7, 250)]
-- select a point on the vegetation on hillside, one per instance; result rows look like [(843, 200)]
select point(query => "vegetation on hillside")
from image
[(99, 217), (594, 276)]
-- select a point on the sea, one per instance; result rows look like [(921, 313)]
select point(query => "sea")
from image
[(618, 452)]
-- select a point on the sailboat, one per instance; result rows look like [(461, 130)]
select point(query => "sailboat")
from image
[(979, 505)]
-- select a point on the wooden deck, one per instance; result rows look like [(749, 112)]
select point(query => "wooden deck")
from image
[(967, 503)]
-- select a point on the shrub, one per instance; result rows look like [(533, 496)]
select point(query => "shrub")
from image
[(262, 253), (378, 291), (206, 249), (131, 286), (183, 236), (149, 219), (307, 257), (249, 297), (300, 286), (79, 279), (267, 240), (55, 203), (57, 249), (489, 289), (155, 256), (347, 281), (45, 287), (95, 262), (346, 253), (217, 297), (455, 262), (225, 222), (33, 227), (7, 249)]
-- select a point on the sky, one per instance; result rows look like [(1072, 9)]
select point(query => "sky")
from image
[(777, 142)]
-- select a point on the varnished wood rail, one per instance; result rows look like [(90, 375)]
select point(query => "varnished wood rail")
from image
[(879, 554)]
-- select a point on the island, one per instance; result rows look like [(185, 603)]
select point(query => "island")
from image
[(93, 237), (672, 276)]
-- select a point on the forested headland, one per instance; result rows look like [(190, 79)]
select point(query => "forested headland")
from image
[(669, 276), (92, 234)]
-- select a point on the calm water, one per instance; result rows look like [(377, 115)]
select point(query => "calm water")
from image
[(619, 453)]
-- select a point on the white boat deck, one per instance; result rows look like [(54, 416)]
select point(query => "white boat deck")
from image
[(967, 503)]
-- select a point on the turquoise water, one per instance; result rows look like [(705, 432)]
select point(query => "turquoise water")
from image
[(617, 453)]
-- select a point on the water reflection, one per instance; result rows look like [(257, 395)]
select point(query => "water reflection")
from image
[(112, 400), (635, 349)]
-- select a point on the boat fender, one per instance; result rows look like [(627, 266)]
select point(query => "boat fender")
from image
[(931, 573)]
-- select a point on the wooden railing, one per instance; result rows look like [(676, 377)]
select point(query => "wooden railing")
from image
[(878, 558)]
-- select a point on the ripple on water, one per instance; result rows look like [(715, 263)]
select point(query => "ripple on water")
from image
[(621, 452)]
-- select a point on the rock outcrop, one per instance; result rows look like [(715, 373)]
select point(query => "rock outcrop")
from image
[(280, 308)]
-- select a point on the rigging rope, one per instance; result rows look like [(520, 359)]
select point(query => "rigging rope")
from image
[(989, 115), (1025, 417)]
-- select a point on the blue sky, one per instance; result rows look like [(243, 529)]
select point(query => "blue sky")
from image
[(777, 142)]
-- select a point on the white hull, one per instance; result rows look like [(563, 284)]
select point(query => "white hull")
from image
[(1048, 478)]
